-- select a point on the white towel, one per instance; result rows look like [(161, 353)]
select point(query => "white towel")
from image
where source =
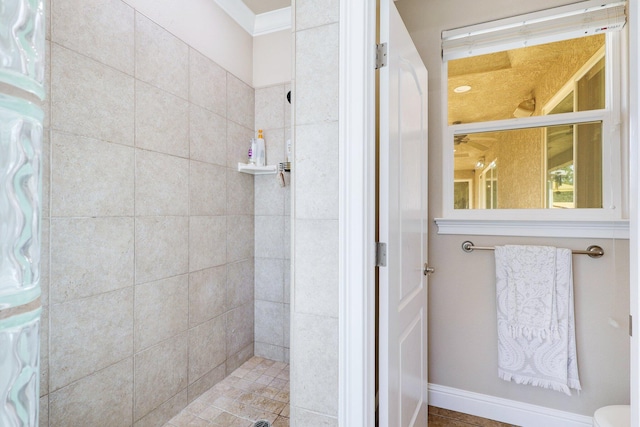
[(536, 327)]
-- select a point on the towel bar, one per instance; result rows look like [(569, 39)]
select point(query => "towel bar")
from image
[(593, 251)]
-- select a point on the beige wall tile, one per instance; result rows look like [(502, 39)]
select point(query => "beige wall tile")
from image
[(269, 195), (274, 142), (240, 102), (240, 287), (238, 143), (240, 193), (91, 177), (161, 58), (104, 399), (310, 13), (43, 419), (240, 241), (162, 247), (46, 172), (44, 351), (80, 106), (80, 26), (207, 294), (160, 374), (314, 375), (102, 334), (206, 349), (316, 94), (162, 121), (205, 382), (45, 272), (302, 417), (269, 351), (166, 411), (317, 161), (316, 272), (162, 184), (287, 325), (207, 245), (161, 310), (269, 321), (207, 189), (207, 136), (269, 108), (269, 235), (269, 279), (237, 359), (90, 256), (239, 328), (207, 84)]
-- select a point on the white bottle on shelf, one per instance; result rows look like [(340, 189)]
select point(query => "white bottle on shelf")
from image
[(260, 150)]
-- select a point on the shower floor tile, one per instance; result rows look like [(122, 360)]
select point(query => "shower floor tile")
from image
[(258, 390)]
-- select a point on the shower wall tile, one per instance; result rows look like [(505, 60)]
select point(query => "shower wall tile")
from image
[(317, 162), (162, 121), (157, 191), (310, 13), (316, 273), (102, 334), (316, 94), (240, 243), (80, 106), (161, 310), (45, 273), (43, 419), (90, 256), (207, 294), (287, 106), (287, 279), (315, 362), (302, 417), (162, 59), (238, 143), (205, 351), (160, 373), (162, 247), (46, 171), (269, 196), (240, 102), (239, 329), (204, 383), (80, 26), (269, 234), (207, 136), (269, 321), (164, 412), (207, 189), (240, 197), (287, 325), (104, 399), (269, 108), (240, 287), (44, 351), (207, 246), (269, 279), (275, 145), (75, 190), (237, 359), (208, 84), (270, 351)]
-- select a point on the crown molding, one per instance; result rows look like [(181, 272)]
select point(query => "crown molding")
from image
[(256, 25)]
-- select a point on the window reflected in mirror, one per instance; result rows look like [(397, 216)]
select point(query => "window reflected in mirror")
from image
[(547, 166)]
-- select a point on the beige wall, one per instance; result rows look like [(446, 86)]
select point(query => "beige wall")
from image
[(148, 235), (272, 58), (462, 331)]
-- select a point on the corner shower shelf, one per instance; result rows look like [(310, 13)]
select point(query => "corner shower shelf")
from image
[(257, 170)]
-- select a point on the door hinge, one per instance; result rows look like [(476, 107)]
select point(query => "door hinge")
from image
[(381, 254), (381, 55), (630, 325)]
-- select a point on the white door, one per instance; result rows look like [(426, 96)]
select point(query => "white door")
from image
[(403, 227)]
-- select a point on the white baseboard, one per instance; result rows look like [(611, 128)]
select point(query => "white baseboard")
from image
[(503, 410)]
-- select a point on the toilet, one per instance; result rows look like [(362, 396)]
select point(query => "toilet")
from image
[(613, 416)]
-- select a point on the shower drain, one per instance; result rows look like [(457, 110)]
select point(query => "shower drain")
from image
[(262, 423)]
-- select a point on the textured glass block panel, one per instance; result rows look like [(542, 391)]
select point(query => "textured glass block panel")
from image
[(20, 370), (22, 47), (20, 201)]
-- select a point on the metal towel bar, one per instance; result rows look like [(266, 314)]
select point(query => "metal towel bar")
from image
[(594, 251)]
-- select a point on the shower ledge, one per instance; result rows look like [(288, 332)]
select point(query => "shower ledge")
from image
[(257, 170)]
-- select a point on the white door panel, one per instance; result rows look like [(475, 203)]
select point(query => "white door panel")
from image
[(403, 226)]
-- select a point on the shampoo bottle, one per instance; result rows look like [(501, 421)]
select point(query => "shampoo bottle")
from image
[(252, 152), (260, 150)]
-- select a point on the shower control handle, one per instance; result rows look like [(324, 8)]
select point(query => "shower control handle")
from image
[(428, 270)]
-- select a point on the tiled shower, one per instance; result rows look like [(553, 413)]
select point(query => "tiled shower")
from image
[(148, 227)]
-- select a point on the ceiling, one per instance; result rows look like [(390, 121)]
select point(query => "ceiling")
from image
[(261, 6)]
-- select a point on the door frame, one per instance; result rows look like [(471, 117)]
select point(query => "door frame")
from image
[(356, 336)]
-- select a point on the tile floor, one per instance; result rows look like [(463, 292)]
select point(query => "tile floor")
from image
[(258, 390)]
